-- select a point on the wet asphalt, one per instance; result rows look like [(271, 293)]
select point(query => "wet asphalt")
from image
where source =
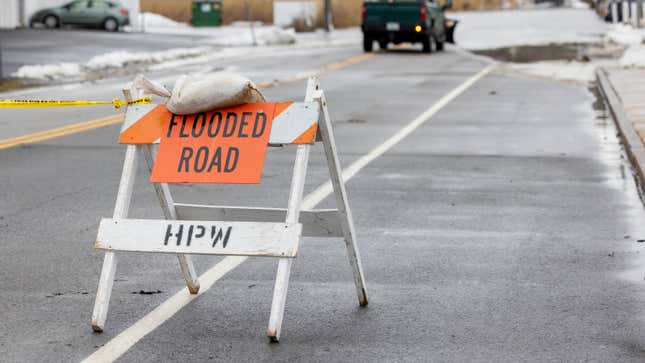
[(503, 229)]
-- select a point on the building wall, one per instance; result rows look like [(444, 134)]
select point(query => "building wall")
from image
[(232, 10), (9, 16), (346, 13), (288, 13)]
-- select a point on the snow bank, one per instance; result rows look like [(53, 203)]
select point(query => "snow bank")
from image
[(625, 34), (152, 20), (498, 29), (634, 56), (48, 71), (577, 4), (263, 36), (117, 59), (236, 34), (122, 58)]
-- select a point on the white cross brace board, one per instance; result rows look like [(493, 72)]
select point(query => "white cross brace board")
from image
[(190, 229)]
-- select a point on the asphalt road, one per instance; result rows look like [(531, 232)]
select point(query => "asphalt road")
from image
[(502, 229)]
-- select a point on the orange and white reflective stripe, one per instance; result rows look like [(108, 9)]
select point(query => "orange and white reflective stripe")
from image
[(293, 123), (143, 124)]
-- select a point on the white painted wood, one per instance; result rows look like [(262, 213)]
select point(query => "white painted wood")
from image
[(168, 207), (121, 208), (293, 215), (124, 196), (293, 122), (315, 223), (199, 237), (347, 222)]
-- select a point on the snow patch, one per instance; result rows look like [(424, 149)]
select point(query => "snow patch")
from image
[(152, 20), (577, 4), (48, 71), (634, 56), (117, 59), (122, 58), (236, 34), (625, 34), (263, 36), (558, 70)]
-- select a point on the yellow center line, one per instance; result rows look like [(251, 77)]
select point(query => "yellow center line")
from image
[(115, 119), (61, 131)]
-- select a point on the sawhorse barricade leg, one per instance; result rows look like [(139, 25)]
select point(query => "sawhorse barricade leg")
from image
[(342, 203), (284, 264), (124, 196), (293, 216), (293, 213)]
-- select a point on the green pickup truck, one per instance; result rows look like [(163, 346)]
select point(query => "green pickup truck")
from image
[(398, 21)]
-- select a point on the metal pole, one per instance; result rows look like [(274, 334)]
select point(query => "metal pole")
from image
[(1, 75), (329, 24), (21, 13)]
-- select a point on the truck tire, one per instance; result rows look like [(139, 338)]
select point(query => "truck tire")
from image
[(427, 44), (368, 43), (382, 44), (438, 45)]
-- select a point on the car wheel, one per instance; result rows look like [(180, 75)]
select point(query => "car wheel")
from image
[(51, 21), (368, 44), (427, 44), (111, 25), (382, 44)]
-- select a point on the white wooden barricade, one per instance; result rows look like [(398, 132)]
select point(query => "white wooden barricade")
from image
[(223, 230)]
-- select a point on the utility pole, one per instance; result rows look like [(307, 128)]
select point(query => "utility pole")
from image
[(329, 23), (1, 76), (21, 13)]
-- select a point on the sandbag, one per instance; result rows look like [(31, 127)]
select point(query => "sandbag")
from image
[(150, 87), (193, 94)]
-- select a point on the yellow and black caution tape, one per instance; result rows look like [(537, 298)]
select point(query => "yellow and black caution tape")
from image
[(117, 103)]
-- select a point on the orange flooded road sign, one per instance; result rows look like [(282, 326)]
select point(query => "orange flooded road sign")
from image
[(225, 146), (293, 123)]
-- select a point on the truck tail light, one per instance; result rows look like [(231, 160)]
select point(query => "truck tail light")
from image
[(424, 12), (364, 12), (123, 11)]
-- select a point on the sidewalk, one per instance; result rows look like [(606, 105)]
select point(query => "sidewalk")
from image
[(624, 92)]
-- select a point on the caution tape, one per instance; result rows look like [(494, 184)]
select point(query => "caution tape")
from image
[(117, 103)]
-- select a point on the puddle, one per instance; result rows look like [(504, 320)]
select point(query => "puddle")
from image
[(537, 53), (568, 62)]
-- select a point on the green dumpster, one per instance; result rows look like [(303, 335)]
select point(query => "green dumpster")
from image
[(207, 12)]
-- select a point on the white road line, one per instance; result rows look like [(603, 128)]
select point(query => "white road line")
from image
[(120, 344)]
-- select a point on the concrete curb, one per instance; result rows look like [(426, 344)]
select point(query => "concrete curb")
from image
[(631, 140)]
